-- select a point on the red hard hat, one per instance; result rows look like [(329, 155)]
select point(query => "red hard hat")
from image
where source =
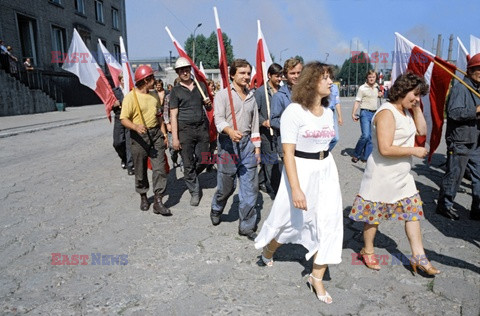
[(143, 72), (474, 61)]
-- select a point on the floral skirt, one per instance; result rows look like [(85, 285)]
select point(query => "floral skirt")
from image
[(407, 209)]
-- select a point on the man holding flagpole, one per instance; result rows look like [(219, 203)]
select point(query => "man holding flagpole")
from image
[(463, 142), (141, 113), (189, 126), (238, 149), (270, 173)]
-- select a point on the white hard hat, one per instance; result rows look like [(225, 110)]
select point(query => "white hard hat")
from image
[(182, 62)]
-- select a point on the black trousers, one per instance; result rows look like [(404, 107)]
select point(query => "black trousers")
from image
[(270, 170), (121, 142), (141, 151), (194, 140), (459, 157)]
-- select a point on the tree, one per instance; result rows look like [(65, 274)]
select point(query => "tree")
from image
[(206, 50), (355, 69), (300, 58)]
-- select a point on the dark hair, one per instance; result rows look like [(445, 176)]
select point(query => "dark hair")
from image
[(305, 91), (238, 63), (289, 64), (274, 69), (406, 83)]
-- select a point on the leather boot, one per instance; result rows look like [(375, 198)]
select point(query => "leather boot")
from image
[(158, 207), (144, 205)]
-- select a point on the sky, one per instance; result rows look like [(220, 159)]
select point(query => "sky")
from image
[(321, 30)]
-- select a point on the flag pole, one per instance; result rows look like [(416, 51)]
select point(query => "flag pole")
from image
[(265, 82), (456, 77)]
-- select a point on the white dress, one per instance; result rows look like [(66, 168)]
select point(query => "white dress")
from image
[(320, 227)]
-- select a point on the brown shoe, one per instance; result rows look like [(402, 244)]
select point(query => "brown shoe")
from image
[(144, 205), (158, 207)]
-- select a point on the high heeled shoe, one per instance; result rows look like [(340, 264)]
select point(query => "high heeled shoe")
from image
[(415, 263), (327, 299), (267, 261), (371, 264)]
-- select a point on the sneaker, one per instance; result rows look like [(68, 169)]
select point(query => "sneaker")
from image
[(195, 199), (251, 235)]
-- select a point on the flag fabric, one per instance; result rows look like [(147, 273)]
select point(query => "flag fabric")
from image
[(223, 65), (82, 64), (128, 79), (263, 60), (212, 130), (474, 45), (462, 56), (202, 70), (222, 55), (409, 57), (113, 66)]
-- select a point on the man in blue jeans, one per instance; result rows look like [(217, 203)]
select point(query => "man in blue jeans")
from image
[(367, 100), (334, 105)]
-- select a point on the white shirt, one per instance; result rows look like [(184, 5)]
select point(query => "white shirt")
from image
[(308, 132)]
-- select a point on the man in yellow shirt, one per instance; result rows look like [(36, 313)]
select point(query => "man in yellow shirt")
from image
[(141, 113)]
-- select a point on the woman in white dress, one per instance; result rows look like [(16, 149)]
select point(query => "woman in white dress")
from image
[(308, 206), (388, 190)]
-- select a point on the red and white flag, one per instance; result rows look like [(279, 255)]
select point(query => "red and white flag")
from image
[(202, 70), (222, 55), (113, 66), (128, 78), (409, 57), (88, 71), (212, 131), (474, 45), (462, 56), (263, 60)]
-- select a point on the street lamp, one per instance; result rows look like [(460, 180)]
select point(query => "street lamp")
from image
[(281, 54), (194, 40)]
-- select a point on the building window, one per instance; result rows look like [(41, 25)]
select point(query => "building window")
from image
[(99, 11), (27, 28), (116, 51), (115, 20), (59, 41), (80, 6)]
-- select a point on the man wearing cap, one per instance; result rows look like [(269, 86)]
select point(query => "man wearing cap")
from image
[(189, 126), (141, 113), (463, 142)]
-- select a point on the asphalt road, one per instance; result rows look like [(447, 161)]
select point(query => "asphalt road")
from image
[(65, 201)]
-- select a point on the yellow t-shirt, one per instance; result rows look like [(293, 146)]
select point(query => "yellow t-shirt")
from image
[(149, 105)]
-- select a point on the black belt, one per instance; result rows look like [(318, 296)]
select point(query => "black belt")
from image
[(369, 110), (320, 155)]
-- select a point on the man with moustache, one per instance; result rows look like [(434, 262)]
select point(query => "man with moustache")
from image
[(141, 114), (238, 149), (189, 126)]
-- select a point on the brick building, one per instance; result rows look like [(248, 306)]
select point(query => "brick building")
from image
[(38, 28)]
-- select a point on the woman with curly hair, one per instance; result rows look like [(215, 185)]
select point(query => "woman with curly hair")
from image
[(388, 190), (308, 206)]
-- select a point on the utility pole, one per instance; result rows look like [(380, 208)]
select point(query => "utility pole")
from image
[(194, 40), (450, 47), (439, 46)]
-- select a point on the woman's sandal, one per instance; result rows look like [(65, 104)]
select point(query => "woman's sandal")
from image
[(327, 299), (416, 263), (267, 261), (369, 262)]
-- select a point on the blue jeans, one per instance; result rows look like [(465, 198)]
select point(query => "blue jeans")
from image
[(335, 139), (364, 144)]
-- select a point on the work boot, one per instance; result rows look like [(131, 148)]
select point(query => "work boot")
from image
[(448, 213), (158, 207), (195, 199), (215, 218), (144, 205)]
